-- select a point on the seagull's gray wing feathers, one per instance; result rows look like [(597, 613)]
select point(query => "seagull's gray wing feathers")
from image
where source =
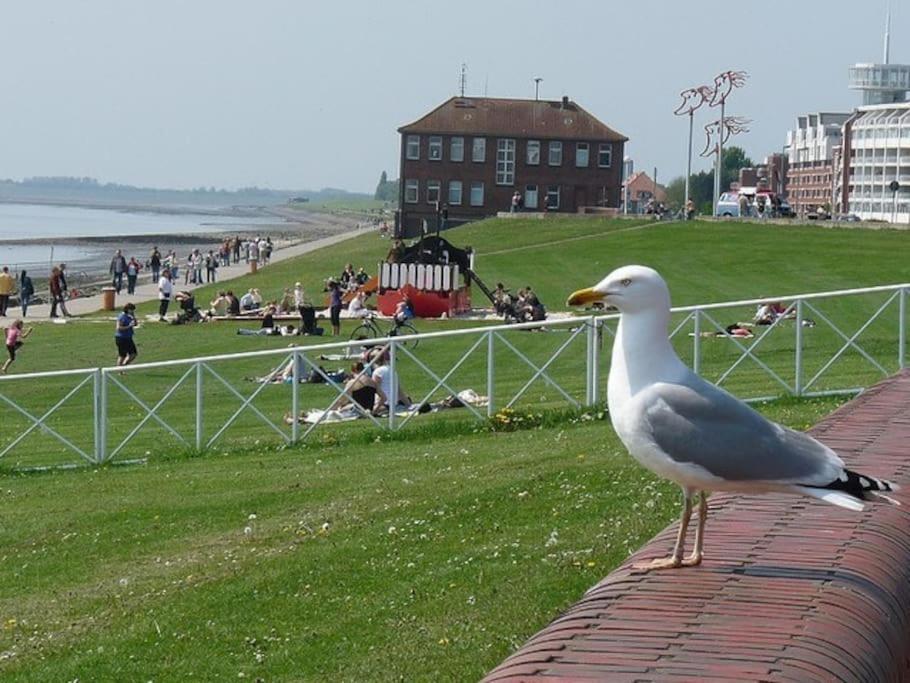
[(696, 422)]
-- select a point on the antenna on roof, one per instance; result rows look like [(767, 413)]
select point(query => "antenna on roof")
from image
[(486, 82), (463, 81), (537, 81), (888, 34)]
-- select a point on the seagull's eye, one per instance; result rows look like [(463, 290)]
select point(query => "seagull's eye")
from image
[(625, 282)]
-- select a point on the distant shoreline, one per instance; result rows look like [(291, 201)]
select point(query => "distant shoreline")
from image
[(238, 211)]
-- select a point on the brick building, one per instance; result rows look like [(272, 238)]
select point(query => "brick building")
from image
[(641, 190), (810, 168), (473, 153)]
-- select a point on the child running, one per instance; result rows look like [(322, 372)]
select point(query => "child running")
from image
[(14, 337)]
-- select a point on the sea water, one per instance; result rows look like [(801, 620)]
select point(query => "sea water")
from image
[(22, 222)]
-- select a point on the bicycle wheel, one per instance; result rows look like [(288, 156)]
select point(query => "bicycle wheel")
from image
[(406, 330), (363, 331)]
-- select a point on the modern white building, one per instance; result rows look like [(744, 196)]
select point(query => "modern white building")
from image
[(877, 141), (873, 171)]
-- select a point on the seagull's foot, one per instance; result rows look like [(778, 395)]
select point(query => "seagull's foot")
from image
[(672, 562), (693, 560)]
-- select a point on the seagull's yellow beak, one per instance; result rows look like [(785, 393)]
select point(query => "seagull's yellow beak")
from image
[(584, 296)]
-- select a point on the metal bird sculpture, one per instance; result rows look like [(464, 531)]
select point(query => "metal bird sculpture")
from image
[(724, 84), (732, 125), (693, 99)]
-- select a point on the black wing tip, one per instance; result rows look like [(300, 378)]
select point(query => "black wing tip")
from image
[(858, 485)]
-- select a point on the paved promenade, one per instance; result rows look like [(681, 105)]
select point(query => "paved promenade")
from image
[(148, 291), (791, 589)]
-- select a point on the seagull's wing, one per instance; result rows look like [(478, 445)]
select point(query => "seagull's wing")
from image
[(696, 422)]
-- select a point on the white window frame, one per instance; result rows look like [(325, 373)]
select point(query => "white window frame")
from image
[(455, 200), (505, 161), (476, 184), (434, 148), (532, 153), (550, 193), (554, 151), (582, 147), (479, 150), (434, 186), (529, 194), (412, 147), (411, 186), (456, 149), (605, 148)]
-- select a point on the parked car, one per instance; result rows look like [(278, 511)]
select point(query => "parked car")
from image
[(728, 205), (848, 218), (785, 210)]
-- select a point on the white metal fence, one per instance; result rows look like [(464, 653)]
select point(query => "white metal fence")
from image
[(825, 343)]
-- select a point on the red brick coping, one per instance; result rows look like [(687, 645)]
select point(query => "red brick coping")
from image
[(791, 589)]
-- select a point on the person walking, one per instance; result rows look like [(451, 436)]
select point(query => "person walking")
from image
[(123, 335), (26, 292), (56, 291), (335, 304), (64, 291), (7, 287), (132, 273), (14, 337), (165, 288), (117, 270), (155, 264), (211, 266)]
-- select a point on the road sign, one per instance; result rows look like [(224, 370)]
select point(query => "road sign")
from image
[(894, 186)]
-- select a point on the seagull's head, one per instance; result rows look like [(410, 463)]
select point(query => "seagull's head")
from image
[(631, 289)]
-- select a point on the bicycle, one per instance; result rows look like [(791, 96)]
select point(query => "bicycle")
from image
[(369, 329)]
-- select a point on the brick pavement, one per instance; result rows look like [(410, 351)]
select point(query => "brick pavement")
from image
[(791, 589)]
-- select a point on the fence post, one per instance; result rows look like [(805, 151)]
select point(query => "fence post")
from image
[(595, 360), (902, 328), (491, 373), (199, 407), (102, 417), (393, 383), (295, 396), (696, 344), (798, 380), (589, 362), (96, 413)]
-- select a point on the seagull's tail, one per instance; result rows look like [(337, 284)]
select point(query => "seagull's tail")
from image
[(850, 489)]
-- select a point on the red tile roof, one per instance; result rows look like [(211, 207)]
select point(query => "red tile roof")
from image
[(518, 118)]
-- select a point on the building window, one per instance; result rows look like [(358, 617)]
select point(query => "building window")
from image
[(605, 155), (533, 155), (433, 189), (552, 197), (435, 151), (531, 196), (479, 150), (555, 154), (411, 191), (581, 154), (505, 162), (476, 194), (456, 149), (413, 147), (455, 192)]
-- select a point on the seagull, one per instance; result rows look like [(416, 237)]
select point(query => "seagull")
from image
[(694, 433)]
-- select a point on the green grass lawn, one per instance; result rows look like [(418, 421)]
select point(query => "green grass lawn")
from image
[(422, 560), (447, 544)]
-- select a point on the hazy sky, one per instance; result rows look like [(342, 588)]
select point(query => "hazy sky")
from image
[(299, 94)]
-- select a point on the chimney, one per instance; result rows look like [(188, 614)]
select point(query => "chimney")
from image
[(565, 101)]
